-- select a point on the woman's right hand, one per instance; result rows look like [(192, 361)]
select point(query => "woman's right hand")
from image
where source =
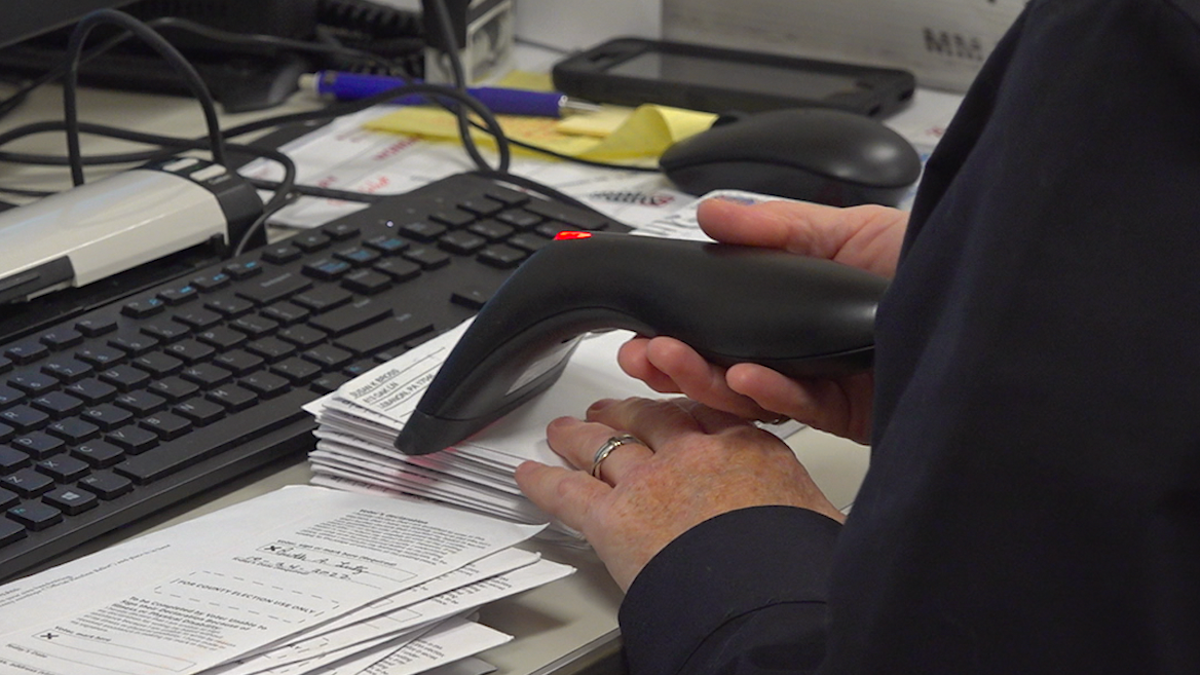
[(866, 237)]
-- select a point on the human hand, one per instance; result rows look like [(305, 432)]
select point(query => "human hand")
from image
[(866, 237), (695, 463)]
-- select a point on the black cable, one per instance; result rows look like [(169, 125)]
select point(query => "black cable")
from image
[(492, 127), (164, 48), (450, 49)]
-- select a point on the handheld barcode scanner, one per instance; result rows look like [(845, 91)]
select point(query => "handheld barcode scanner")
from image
[(800, 316)]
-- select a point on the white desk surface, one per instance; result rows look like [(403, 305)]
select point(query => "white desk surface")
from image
[(553, 624)]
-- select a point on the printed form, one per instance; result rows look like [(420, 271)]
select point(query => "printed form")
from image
[(202, 594)]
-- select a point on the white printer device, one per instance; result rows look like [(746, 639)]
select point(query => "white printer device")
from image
[(104, 227)]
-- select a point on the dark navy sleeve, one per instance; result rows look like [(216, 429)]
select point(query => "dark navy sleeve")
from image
[(744, 592)]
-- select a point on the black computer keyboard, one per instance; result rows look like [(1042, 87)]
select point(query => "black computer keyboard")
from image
[(116, 413)]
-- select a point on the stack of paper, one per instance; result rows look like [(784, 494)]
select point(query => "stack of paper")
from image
[(302, 580), (359, 423)]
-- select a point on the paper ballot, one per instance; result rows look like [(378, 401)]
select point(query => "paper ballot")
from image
[(305, 570), (359, 422)]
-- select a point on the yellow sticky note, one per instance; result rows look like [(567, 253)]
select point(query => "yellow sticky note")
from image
[(609, 135)]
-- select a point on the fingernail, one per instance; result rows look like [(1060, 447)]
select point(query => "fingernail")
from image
[(600, 405)]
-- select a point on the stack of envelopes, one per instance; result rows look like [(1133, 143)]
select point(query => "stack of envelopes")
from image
[(359, 423)]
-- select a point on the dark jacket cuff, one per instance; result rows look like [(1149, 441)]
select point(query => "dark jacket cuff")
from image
[(714, 577)]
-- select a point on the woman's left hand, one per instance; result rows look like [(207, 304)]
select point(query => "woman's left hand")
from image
[(691, 463)]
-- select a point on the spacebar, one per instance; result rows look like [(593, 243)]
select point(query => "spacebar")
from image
[(200, 444)]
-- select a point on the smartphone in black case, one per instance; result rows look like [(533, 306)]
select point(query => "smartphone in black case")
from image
[(633, 71)]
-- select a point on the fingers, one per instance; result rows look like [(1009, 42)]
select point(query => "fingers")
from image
[(689, 374), (841, 406), (579, 442), (566, 494), (867, 237)]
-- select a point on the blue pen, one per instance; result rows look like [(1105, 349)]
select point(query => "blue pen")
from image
[(352, 86)]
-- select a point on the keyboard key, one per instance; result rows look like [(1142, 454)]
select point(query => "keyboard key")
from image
[(96, 326), (166, 425), (71, 501), (200, 411), (266, 385), (98, 454), (350, 318), (212, 282), (392, 331), (107, 416), (387, 244), (23, 418), (100, 356), (35, 515), (341, 231), (357, 256), (198, 318), (296, 370), (61, 338), (366, 282), (423, 231), (239, 362), (125, 378), (166, 331), (471, 298), (397, 269), (427, 257), (106, 485), (179, 295), (212, 440), (73, 430), (173, 388), (38, 444), (134, 344), (9, 396), (140, 309), (11, 531), (92, 391), (12, 459), (323, 299), (273, 288), (26, 352), (133, 440), (222, 338), (158, 364), (229, 306), (27, 482), (327, 269), (286, 313), (58, 404), (206, 375), (501, 256), (190, 351), (310, 242), (462, 243), (67, 370), (271, 349), (141, 403), (328, 356), (244, 270), (255, 326), (303, 336), (32, 382), (232, 397), (63, 468), (281, 254)]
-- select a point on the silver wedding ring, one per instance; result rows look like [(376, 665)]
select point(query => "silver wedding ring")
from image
[(606, 450)]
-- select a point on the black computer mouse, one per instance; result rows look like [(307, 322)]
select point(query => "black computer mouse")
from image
[(814, 154), (803, 317)]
